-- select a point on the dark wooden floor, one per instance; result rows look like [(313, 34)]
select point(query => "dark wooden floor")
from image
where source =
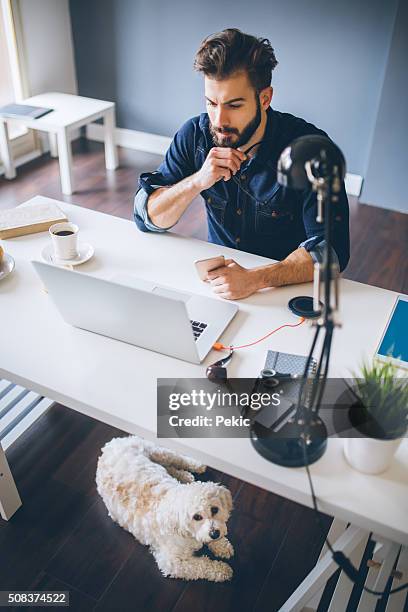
[(62, 537)]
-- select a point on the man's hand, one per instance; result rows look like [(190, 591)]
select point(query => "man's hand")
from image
[(233, 282), (221, 163)]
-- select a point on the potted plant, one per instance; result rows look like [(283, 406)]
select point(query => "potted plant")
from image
[(380, 415)]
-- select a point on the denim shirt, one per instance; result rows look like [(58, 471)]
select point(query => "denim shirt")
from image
[(253, 213)]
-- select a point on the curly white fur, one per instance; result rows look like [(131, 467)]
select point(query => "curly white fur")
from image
[(151, 492)]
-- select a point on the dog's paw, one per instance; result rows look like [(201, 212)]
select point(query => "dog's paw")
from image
[(181, 475), (198, 468), (222, 572), (227, 551), (222, 548)]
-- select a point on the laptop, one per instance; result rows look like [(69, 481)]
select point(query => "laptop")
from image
[(139, 312)]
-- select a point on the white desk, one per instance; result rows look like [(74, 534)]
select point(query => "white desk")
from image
[(70, 113), (116, 383)]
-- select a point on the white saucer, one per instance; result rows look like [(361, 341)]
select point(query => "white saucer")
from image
[(6, 265), (85, 252)]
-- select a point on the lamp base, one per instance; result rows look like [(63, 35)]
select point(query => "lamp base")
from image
[(287, 447)]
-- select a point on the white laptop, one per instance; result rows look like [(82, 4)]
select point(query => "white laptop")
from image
[(126, 308)]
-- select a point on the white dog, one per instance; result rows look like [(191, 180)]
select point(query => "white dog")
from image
[(151, 492)]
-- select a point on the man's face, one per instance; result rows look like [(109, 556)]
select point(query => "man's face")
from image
[(234, 109)]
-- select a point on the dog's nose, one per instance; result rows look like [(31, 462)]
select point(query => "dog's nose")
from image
[(215, 534)]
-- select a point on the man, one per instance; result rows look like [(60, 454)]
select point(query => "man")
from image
[(229, 155)]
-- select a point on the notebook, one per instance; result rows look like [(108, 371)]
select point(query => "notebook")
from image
[(18, 111), (289, 363)]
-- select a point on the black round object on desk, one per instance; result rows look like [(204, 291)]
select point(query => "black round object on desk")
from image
[(302, 306), (291, 443)]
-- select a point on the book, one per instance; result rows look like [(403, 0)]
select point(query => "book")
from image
[(29, 219), (20, 111)]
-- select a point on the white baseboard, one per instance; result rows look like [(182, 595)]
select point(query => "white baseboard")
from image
[(152, 143), (27, 157), (23, 159), (132, 139)]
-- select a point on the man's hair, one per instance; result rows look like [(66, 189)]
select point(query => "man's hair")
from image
[(225, 53)]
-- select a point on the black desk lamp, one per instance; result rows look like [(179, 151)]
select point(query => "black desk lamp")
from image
[(316, 163)]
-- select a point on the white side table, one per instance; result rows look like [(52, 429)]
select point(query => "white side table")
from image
[(70, 112)]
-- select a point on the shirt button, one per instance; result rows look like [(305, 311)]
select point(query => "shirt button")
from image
[(238, 239), (209, 200), (275, 213), (239, 211), (243, 177)]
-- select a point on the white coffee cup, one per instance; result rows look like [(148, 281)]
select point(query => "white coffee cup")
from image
[(64, 238)]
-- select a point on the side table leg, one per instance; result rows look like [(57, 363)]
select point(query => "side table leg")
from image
[(65, 161), (111, 151), (52, 139), (9, 498), (5, 152)]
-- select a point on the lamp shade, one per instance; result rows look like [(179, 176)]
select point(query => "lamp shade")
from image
[(325, 157)]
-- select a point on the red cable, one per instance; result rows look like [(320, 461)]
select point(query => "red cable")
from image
[(218, 346)]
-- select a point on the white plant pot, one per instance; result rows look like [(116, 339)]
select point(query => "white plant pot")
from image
[(370, 455)]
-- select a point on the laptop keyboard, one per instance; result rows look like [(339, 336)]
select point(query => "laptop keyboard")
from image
[(198, 328)]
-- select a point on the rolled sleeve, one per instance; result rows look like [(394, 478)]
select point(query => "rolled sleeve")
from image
[(177, 165), (315, 243), (316, 246), (140, 214)]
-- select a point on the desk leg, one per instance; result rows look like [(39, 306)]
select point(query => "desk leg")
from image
[(324, 569), (52, 140), (352, 543), (337, 528), (65, 161), (5, 152), (396, 601), (344, 586), (111, 151), (9, 498), (384, 557)]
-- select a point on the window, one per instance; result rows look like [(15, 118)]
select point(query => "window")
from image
[(6, 82), (11, 82)]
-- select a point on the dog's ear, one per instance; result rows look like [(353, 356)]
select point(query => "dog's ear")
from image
[(226, 498)]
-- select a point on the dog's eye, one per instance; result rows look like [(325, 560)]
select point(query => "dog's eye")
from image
[(197, 517), (214, 510)]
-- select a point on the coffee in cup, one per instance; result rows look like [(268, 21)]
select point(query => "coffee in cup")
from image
[(64, 238)]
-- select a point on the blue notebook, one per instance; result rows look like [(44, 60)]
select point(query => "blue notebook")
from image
[(17, 111)]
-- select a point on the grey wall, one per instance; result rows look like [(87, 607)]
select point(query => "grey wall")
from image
[(332, 60), (388, 164)]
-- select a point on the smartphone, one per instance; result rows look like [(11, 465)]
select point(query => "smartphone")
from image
[(203, 266)]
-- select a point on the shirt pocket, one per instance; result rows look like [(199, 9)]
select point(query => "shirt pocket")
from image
[(271, 216), (215, 206)]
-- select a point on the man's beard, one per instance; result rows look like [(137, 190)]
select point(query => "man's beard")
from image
[(243, 137)]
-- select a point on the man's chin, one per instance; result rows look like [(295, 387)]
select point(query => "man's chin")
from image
[(226, 140)]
